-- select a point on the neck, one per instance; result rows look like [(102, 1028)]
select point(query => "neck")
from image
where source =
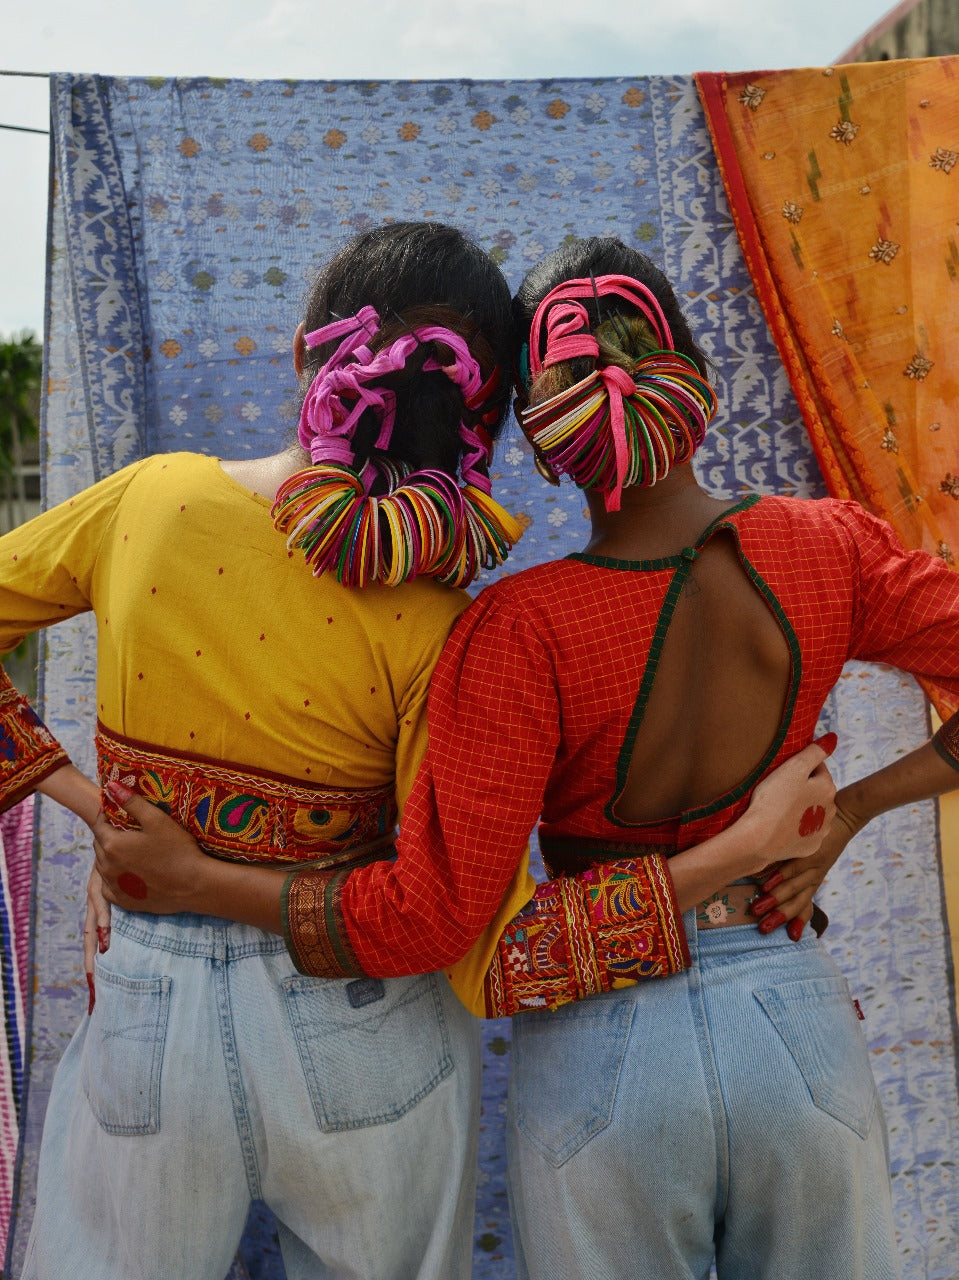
[(652, 522), (263, 476)]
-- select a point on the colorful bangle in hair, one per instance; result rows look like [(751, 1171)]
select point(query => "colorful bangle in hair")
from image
[(615, 429), (425, 525)]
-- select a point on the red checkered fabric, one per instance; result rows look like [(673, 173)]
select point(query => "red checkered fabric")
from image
[(531, 700)]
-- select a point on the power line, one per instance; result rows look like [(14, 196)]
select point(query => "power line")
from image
[(22, 128)]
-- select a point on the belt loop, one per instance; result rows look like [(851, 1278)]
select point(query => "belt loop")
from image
[(692, 935)]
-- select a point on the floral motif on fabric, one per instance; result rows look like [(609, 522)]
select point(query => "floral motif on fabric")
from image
[(247, 815), (752, 96), (944, 159), (28, 751), (884, 251), (918, 367), (609, 927), (845, 131)]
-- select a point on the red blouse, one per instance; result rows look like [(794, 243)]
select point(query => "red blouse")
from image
[(539, 691)]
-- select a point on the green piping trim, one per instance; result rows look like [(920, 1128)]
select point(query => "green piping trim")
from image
[(639, 707), (655, 650), (667, 562), (792, 641), (611, 562), (333, 919), (749, 501)]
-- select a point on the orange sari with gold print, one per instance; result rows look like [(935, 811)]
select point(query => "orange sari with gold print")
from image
[(844, 186)]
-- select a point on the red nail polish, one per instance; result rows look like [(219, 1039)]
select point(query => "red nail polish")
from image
[(760, 906), (93, 994), (772, 921), (103, 938), (118, 791), (795, 928), (828, 742), (774, 879)]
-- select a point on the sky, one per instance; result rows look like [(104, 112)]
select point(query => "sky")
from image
[(381, 39)]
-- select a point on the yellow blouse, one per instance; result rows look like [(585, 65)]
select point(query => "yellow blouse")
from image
[(213, 639)]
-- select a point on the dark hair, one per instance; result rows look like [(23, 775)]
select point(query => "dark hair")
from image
[(601, 256), (415, 274)]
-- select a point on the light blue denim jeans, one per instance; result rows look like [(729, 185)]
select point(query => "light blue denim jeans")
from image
[(726, 1113), (211, 1072)]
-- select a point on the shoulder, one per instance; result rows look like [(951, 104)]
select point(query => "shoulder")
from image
[(424, 599), (409, 623), (158, 470), (806, 519), (163, 469), (525, 593), (518, 611)]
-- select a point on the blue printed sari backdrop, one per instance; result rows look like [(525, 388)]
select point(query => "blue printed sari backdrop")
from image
[(186, 220)]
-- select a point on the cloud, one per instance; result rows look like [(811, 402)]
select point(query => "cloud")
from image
[(534, 39), (433, 39)]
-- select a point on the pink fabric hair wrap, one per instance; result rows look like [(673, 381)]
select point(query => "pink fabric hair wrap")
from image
[(345, 387), (622, 286)]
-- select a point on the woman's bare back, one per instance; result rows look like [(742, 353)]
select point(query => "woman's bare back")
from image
[(717, 694), (714, 692)]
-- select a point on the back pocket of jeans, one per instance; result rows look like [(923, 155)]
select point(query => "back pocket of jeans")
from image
[(565, 1072), (368, 1055), (818, 1024), (123, 1054)]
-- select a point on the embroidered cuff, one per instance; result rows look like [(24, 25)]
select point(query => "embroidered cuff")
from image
[(610, 926), (28, 750), (946, 741), (313, 925)]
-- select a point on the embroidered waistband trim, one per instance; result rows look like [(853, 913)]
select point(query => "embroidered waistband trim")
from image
[(247, 815)]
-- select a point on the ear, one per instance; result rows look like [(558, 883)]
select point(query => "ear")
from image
[(299, 348)]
